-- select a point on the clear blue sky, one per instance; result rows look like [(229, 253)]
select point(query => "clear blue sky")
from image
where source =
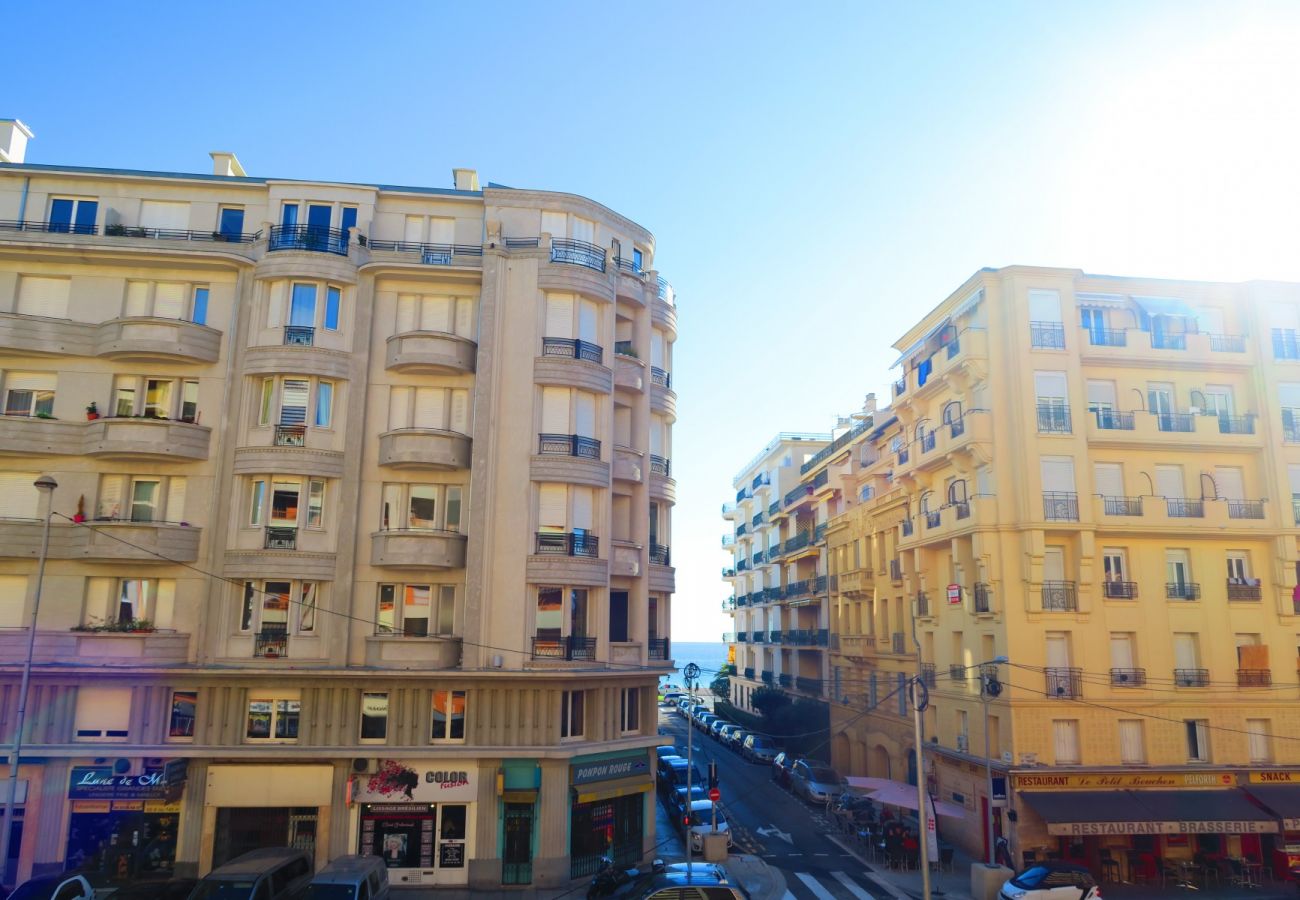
[(818, 175)]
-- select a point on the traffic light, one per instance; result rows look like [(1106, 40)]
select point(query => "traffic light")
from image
[(713, 775)]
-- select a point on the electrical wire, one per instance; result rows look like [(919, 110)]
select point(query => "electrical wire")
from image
[(1105, 680)]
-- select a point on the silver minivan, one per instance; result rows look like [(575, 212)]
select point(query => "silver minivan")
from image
[(272, 873), (351, 878)]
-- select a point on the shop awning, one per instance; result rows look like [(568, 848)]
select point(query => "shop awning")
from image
[(1165, 306), (608, 790), (1082, 813), (1282, 799)]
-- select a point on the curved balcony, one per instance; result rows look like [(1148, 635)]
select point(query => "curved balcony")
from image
[(663, 579), (415, 548), (663, 400), (569, 458), (572, 363), (112, 541), (99, 648), (424, 448), (663, 489), (629, 373), (311, 238), (430, 352), (279, 562), (288, 460), (577, 267), (399, 651), (143, 438), (53, 337), (628, 464), (300, 359), (153, 339), (32, 436), (664, 315)]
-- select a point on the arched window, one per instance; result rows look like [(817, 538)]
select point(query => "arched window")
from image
[(952, 418), (957, 492), (924, 436)]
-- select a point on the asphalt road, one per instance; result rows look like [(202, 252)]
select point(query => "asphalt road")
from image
[(771, 823)]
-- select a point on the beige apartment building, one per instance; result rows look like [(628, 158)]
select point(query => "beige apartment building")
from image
[(1099, 479), (361, 539)]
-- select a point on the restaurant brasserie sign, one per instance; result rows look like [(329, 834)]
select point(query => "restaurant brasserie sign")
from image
[(1084, 829)]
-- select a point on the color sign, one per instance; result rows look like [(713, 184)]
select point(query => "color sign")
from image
[(418, 781), (1123, 780)]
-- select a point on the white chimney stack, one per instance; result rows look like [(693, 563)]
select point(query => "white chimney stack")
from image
[(14, 136), (226, 164), (869, 405), (465, 179)]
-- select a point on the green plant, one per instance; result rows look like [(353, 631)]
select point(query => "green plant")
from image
[(97, 625), (721, 687), (115, 230), (44, 415)]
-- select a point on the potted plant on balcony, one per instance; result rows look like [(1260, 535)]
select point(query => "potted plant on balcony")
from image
[(92, 411), (117, 229), (80, 515)]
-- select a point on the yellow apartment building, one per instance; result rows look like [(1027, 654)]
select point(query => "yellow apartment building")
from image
[(1099, 479), (362, 528)]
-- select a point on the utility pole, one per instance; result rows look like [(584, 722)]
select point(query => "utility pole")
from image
[(690, 672), (990, 687), (920, 701)]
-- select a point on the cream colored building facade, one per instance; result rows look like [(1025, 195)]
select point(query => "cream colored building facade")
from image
[(364, 511), (1094, 477)]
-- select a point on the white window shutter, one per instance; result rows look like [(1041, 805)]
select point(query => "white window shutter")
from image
[(435, 314), (176, 499), (13, 601), (556, 224), (1058, 650), (559, 315), (1101, 393), (43, 296), (1121, 651), (1108, 479), (460, 411), (442, 230), (1066, 738), (555, 410), (164, 214), (165, 603), (275, 305), (1057, 473), (169, 300), (1044, 306), (657, 348), (137, 299), (1230, 482), (1185, 655), (551, 502), (111, 488), (1050, 385), (406, 313), (19, 498), (1293, 476), (1053, 564), (583, 505), (465, 318), (1130, 741), (430, 407), (585, 414), (399, 407), (588, 319), (99, 591), (293, 401), (414, 231), (584, 230), (656, 435), (102, 711)]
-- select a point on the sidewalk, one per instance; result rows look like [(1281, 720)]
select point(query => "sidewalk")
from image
[(906, 884)]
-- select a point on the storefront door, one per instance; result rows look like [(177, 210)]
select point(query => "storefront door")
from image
[(241, 829), (517, 863)]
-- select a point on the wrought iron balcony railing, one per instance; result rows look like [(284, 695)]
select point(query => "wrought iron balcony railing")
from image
[(48, 227), (1047, 335), (1060, 506), (933, 518), (808, 684), (574, 543), (1238, 590), (1060, 596), (1236, 424), (578, 253), (272, 642), (1053, 418), (572, 647), (568, 445), (1228, 343), (1180, 508), (1107, 337), (573, 348), (1192, 677), (1122, 506), (908, 528), (929, 675), (430, 254), (1182, 590), (1161, 340), (308, 237), (299, 335), (922, 603), (1120, 590), (280, 538), (1286, 344), (1254, 678), (958, 674), (1063, 681), (963, 509), (1178, 422), (1245, 509), (983, 597), (1128, 677), (660, 555), (662, 378), (660, 465), (290, 435), (897, 642), (1114, 420), (658, 648)]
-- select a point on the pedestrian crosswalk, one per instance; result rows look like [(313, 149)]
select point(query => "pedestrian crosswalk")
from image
[(824, 886)]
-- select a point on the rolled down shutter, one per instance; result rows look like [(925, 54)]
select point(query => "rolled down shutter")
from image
[(275, 305), (442, 231), (169, 300), (176, 499), (414, 232), (1058, 473), (399, 403), (1108, 479), (584, 230), (465, 317), (165, 214), (460, 412), (43, 296), (551, 502), (430, 407), (555, 410), (656, 435), (657, 349), (1230, 482), (31, 381), (19, 498), (587, 319), (406, 313), (293, 402), (585, 414), (111, 488), (556, 224), (559, 315), (435, 314), (583, 504), (137, 299)]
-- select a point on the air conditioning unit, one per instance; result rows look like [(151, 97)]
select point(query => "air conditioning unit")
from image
[(963, 742), (1007, 757), (363, 766)]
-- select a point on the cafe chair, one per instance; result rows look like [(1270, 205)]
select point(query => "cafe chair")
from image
[(1109, 866)]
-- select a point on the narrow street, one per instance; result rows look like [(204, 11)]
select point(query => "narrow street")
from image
[(770, 823)]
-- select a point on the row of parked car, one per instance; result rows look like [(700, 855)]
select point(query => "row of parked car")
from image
[(757, 748)]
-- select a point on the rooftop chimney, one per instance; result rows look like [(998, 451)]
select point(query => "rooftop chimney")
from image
[(869, 405), (465, 179), (226, 164), (14, 136)]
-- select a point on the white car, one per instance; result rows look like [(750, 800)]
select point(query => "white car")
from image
[(701, 818), (1052, 881)]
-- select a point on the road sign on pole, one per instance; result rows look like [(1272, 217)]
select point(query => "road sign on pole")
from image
[(715, 795)]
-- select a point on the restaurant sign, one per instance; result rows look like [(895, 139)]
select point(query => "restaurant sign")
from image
[(1123, 780), (99, 783), (1085, 829), (1275, 777)]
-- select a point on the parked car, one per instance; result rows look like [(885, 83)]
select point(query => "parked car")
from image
[(668, 750), (350, 877), (1049, 881), (272, 873), (705, 721), (716, 726), (672, 774), (815, 782), (724, 733), (172, 889), (702, 880), (702, 821), (736, 738), (759, 748), (68, 886), (781, 765), (675, 804)]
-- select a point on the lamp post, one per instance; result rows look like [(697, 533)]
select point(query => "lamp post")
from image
[(46, 485), (989, 687)]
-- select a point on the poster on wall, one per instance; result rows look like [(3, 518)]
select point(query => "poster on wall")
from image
[(418, 781), (399, 834)]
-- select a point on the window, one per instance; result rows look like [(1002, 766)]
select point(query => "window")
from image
[(280, 603), (181, 725), (436, 408), (155, 398), (1053, 402), (141, 498), (332, 309), (568, 316), (416, 507), (1178, 575), (70, 215), (273, 716), (1238, 567), (443, 314), (1198, 739), (165, 300), (30, 394), (46, 297), (13, 601), (637, 259), (409, 610), (629, 716), (1113, 563), (572, 707), (1065, 739), (1259, 740), (305, 311), (374, 716), (1187, 651), (1132, 744), (286, 497), (230, 222), (1218, 399), (102, 714), (324, 403), (448, 716), (129, 601)]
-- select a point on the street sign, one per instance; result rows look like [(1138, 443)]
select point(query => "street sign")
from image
[(715, 795)]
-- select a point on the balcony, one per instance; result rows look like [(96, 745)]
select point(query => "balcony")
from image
[(749, 672), (1192, 677), (575, 543), (768, 679), (99, 649), (1059, 596), (819, 585), (1181, 423), (629, 373), (798, 542), (430, 352), (922, 604), (568, 445), (963, 509), (152, 339), (821, 479), (742, 529), (929, 675), (1053, 418), (46, 227), (819, 532), (1244, 592), (1113, 420), (429, 254), (1180, 508), (758, 637), (796, 589), (1122, 506), (774, 637), (657, 648), (1128, 677), (104, 540), (757, 521), (785, 680), (1063, 682), (808, 684), (426, 652), (801, 492), (138, 437), (927, 442), (1119, 590), (903, 456), (1047, 335), (895, 570), (299, 336), (1245, 509), (274, 538), (773, 508), (421, 448), (272, 642), (1107, 337), (660, 555), (418, 548), (983, 598), (660, 465), (1227, 343), (577, 253), (663, 401), (566, 648), (958, 674), (1286, 345), (933, 518), (1161, 340), (1254, 678), (908, 528), (572, 348), (1182, 590), (1236, 424), (662, 379), (900, 386), (1060, 506), (308, 237)]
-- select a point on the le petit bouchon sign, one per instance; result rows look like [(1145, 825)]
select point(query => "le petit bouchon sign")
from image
[(1124, 780)]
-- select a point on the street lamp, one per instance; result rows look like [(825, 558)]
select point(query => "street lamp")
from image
[(989, 687), (46, 485)]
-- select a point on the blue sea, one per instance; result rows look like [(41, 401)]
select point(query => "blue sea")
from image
[(710, 657)]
